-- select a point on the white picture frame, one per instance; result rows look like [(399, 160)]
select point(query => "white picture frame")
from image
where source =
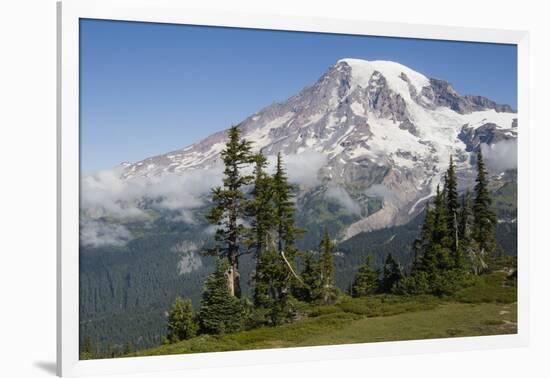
[(171, 11)]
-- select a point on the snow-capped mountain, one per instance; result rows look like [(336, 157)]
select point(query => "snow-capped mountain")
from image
[(385, 131)]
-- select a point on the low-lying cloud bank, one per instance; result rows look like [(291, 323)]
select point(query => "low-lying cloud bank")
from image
[(106, 194), (96, 234)]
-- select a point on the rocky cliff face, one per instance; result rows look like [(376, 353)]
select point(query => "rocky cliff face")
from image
[(383, 131)]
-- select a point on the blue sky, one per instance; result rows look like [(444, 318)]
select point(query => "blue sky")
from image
[(148, 88)]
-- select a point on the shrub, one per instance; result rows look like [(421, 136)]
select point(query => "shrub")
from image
[(366, 280), (413, 285), (182, 324), (220, 312)]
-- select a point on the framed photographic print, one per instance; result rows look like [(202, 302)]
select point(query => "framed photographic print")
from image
[(251, 187)]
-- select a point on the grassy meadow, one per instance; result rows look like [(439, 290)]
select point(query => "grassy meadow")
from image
[(487, 307)]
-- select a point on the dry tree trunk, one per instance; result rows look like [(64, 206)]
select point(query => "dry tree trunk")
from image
[(290, 267), (231, 281)]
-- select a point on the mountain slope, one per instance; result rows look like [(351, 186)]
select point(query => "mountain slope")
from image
[(365, 131)]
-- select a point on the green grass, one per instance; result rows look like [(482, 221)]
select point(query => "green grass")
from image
[(446, 320), (488, 307), (489, 288), (385, 305)]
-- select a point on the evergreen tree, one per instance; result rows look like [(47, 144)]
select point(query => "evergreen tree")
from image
[(366, 280), (417, 249), (220, 312), (181, 321), (310, 290), (451, 197), (260, 241), (427, 261), (230, 205), (467, 253), (326, 268), (484, 216), (273, 237), (430, 274), (284, 209), (285, 228), (273, 292), (426, 235), (326, 263), (260, 208), (391, 274), (279, 267), (465, 217), (449, 233), (441, 240), (440, 231)]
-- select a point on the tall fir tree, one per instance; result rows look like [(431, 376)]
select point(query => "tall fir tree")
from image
[(260, 208), (230, 205), (426, 259), (260, 241), (326, 263), (465, 217), (428, 276), (441, 240), (220, 312), (310, 290), (484, 216), (465, 226), (440, 231), (366, 280), (276, 270), (391, 274), (272, 290), (326, 268), (284, 209), (182, 324), (451, 197)]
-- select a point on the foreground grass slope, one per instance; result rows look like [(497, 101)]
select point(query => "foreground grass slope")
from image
[(488, 307)]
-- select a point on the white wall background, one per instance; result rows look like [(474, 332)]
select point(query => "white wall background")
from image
[(27, 186)]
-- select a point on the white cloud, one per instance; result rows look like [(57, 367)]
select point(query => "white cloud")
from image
[(106, 193), (341, 196), (379, 190), (98, 234), (302, 169), (501, 156)]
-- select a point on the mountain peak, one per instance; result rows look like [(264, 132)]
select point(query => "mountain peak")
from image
[(400, 78), (377, 129)]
